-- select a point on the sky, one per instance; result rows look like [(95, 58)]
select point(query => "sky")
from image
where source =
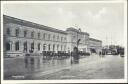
[(103, 21)]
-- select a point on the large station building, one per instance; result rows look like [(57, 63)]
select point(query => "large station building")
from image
[(20, 37)]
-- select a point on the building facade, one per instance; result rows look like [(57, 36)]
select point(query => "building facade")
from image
[(21, 37), (73, 35), (95, 45)]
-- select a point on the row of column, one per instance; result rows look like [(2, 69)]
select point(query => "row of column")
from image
[(37, 47)]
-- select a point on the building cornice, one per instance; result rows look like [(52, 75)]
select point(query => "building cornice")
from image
[(75, 30), (92, 39), (10, 19), (45, 40)]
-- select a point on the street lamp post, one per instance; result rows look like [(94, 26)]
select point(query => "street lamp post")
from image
[(78, 40), (76, 49)]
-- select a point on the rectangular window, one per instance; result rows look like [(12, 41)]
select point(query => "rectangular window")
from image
[(58, 38), (44, 36), (32, 34), (38, 35), (17, 32), (61, 39), (65, 39), (25, 33), (53, 37), (49, 36), (8, 31)]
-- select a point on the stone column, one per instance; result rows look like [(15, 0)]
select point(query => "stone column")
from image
[(21, 46), (13, 46)]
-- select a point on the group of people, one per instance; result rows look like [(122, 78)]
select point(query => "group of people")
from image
[(58, 54), (63, 53)]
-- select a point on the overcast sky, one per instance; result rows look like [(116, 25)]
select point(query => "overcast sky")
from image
[(103, 21)]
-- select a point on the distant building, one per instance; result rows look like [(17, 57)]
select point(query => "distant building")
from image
[(73, 35), (95, 44), (21, 37)]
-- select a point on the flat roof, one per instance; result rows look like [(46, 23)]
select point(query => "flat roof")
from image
[(92, 39), (10, 19), (76, 30)]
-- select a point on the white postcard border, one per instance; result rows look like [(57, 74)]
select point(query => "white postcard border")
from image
[(67, 81)]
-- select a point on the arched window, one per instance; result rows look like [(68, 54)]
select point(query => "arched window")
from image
[(57, 47), (44, 47), (49, 47), (64, 47), (38, 46), (17, 32), (17, 46), (32, 46), (8, 31), (61, 47), (8, 46), (53, 47), (25, 46)]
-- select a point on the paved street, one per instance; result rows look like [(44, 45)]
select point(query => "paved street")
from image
[(108, 67), (89, 67)]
